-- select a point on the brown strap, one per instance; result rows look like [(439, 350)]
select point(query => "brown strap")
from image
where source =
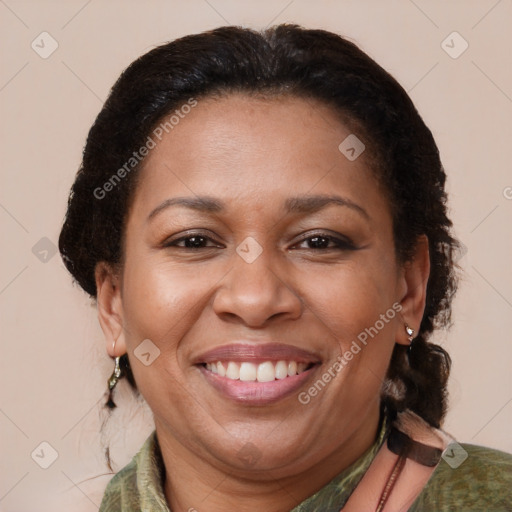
[(400, 443)]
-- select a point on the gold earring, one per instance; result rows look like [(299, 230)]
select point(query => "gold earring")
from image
[(117, 374)]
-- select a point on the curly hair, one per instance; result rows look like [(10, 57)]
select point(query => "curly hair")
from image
[(282, 60)]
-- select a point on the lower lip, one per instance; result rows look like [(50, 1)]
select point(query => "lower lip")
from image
[(257, 393)]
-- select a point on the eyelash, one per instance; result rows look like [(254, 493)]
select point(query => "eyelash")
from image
[(342, 244)]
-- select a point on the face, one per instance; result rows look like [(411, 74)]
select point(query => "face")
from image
[(255, 247)]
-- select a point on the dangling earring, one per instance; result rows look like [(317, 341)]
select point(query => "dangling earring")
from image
[(410, 337), (114, 379)]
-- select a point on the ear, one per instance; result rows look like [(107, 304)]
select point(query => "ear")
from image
[(413, 288), (109, 305)]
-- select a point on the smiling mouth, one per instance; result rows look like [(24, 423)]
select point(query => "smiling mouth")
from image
[(266, 371), (257, 374), (258, 384)]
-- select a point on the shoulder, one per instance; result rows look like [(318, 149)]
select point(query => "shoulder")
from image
[(123, 491), (469, 478)]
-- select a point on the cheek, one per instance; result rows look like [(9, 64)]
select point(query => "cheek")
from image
[(354, 296), (162, 302), (360, 311), (159, 304), (159, 300)]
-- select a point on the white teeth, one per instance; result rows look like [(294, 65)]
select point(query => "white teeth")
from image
[(266, 372), (281, 370), (251, 372), (233, 371), (248, 371), (220, 369)]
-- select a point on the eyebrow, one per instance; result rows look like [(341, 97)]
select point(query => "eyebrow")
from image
[(313, 203), (298, 204)]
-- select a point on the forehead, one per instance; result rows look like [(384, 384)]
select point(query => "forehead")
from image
[(251, 148)]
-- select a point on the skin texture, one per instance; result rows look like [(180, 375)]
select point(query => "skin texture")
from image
[(253, 154)]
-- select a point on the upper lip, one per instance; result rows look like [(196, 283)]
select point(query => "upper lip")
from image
[(239, 352)]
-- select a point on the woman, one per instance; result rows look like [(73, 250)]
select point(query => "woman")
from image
[(261, 218)]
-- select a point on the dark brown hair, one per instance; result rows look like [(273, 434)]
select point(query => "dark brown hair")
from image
[(284, 59)]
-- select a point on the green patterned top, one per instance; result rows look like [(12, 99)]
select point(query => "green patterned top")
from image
[(482, 482)]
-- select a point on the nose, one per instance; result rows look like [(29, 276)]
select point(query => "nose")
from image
[(254, 293)]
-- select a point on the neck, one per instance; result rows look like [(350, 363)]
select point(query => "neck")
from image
[(194, 483)]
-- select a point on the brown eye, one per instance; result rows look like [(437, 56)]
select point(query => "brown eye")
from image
[(326, 242), (192, 241)]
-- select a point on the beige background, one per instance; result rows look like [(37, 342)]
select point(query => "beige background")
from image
[(53, 362)]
